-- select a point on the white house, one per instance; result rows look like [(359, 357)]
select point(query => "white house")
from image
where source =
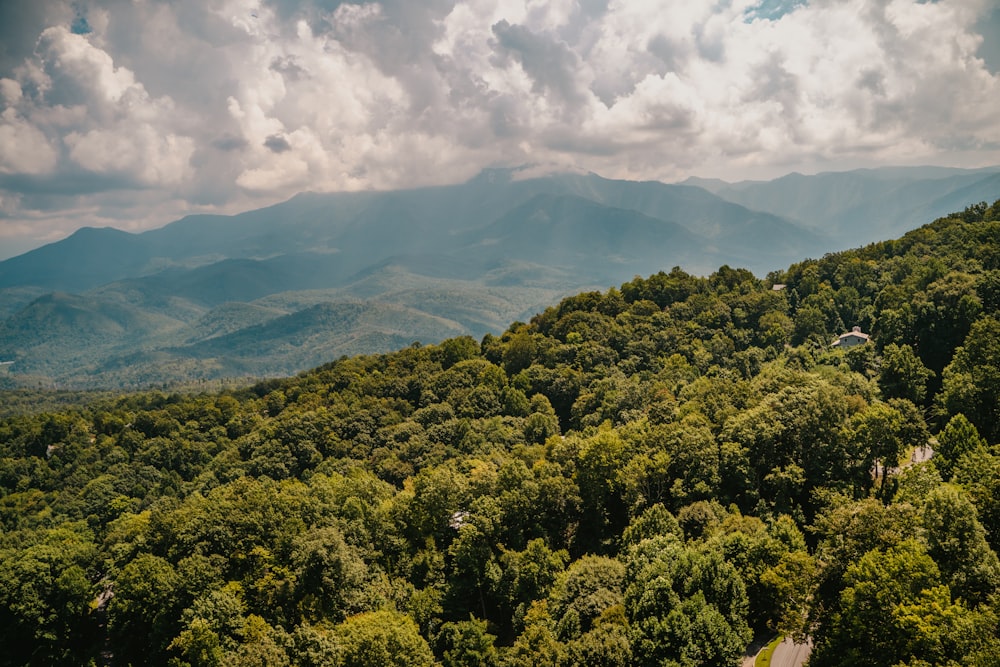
[(851, 338)]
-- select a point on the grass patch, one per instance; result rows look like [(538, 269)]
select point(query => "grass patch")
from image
[(764, 657)]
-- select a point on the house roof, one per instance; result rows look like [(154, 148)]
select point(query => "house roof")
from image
[(853, 333)]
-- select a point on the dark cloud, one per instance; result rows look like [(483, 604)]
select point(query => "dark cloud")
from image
[(277, 144), (398, 36), (21, 21), (288, 68), (550, 63), (872, 79), (989, 50), (66, 183), (773, 82), (315, 12), (666, 51), (579, 28), (593, 8), (189, 41), (565, 140), (711, 45), (504, 118), (229, 143), (395, 34)]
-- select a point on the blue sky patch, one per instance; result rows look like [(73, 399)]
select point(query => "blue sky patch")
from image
[(80, 26), (772, 10)]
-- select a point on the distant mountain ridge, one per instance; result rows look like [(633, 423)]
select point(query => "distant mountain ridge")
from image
[(368, 227), (864, 205), (283, 288)]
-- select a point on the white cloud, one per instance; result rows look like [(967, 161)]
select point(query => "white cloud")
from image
[(153, 159), (81, 72), (25, 150), (226, 104), (10, 91)]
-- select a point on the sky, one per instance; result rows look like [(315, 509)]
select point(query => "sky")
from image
[(134, 113)]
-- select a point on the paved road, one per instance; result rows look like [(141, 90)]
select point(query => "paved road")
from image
[(919, 455), (789, 654)]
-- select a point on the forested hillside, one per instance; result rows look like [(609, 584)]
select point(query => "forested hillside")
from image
[(653, 475)]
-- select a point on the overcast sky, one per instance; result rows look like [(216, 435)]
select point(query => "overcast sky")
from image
[(133, 113)]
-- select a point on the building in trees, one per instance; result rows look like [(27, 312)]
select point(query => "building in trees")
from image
[(851, 338)]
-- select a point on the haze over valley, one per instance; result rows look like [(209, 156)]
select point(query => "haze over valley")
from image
[(282, 289)]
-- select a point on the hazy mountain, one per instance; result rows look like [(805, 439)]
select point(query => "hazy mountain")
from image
[(279, 289), (59, 333), (88, 258), (761, 239), (285, 344), (321, 330), (364, 228), (230, 280), (230, 317), (69, 317), (571, 232), (13, 299), (865, 205)]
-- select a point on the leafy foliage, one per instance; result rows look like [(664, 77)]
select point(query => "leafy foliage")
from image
[(649, 475)]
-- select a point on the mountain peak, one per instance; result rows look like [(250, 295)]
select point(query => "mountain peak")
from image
[(493, 176)]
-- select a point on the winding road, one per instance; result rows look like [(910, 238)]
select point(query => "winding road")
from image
[(790, 654), (786, 654)]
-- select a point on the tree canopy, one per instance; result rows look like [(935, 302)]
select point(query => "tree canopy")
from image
[(650, 475)]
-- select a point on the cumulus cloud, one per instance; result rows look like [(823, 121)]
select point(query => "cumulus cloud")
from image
[(26, 150), (550, 63), (131, 112)]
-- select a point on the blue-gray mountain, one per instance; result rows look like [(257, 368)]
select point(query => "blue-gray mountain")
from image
[(865, 205), (284, 288)]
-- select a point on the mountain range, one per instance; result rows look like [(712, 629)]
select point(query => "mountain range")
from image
[(287, 287)]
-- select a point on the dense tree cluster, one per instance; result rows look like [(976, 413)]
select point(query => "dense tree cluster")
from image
[(647, 476)]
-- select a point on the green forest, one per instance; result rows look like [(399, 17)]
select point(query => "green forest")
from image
[(658, 474)]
